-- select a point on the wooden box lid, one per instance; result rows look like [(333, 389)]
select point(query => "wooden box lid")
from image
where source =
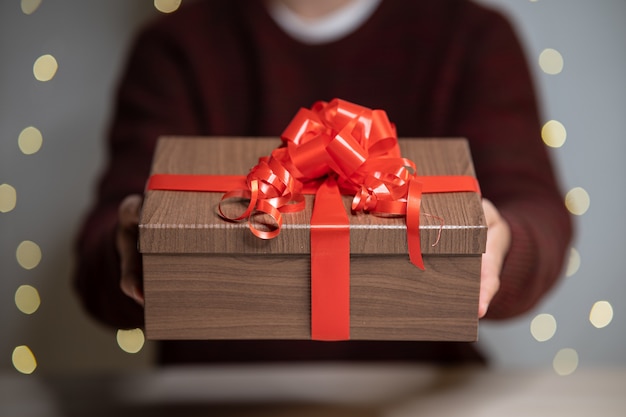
[(188, 222)]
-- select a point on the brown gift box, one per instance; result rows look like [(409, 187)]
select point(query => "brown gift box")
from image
[(206, 278)]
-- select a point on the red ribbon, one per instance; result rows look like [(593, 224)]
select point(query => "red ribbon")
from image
[(330, 265), (349, 149)]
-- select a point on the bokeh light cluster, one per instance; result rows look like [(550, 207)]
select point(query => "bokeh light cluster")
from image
[(543, 326), (28, 253)]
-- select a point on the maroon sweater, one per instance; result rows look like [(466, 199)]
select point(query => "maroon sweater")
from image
[(444, 68)]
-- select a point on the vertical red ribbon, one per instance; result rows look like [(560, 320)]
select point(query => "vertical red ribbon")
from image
[(414, 201), (330, 265)]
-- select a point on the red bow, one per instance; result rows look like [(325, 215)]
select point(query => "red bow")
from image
[(347, 144)]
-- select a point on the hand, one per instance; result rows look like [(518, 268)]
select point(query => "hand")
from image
[(126, 242), (498, 243)]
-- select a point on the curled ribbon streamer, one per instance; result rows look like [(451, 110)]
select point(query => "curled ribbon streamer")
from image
[(354, 145)]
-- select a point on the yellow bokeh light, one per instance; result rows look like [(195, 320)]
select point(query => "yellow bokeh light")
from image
[(28, 254), (167, 6), (30, 6), (601, 314), (30, 140), (543, 327), (551, 61), (130, 341), (573, 262), (45, 67), (553, 134), (565, 361), (8, 198), (577, 201), (24, 360), (27, 299)]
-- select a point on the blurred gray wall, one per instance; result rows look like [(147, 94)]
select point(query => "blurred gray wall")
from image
[(54, 185)]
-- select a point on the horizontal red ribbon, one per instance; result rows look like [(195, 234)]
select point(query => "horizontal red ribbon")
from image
[(331, 149), (431, 184)]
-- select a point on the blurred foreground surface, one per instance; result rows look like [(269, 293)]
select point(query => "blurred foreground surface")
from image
[(317, 390)]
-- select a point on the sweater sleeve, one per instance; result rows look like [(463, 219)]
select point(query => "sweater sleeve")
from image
[(153, 99), (498, 113)]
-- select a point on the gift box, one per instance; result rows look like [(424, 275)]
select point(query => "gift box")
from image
[(206, 277)]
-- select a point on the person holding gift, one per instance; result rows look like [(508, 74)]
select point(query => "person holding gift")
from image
[(447, 68)]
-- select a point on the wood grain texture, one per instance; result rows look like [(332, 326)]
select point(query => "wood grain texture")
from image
[(260, 297), (205, 278), (186, 222)]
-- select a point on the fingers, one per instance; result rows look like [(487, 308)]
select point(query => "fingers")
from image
[(129, 209), (489, 285), (126, 241), (497, 247)]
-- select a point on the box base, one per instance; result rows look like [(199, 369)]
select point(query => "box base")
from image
[(201, 297)]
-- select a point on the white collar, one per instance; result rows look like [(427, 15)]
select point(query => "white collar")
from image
[(326, 29)]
